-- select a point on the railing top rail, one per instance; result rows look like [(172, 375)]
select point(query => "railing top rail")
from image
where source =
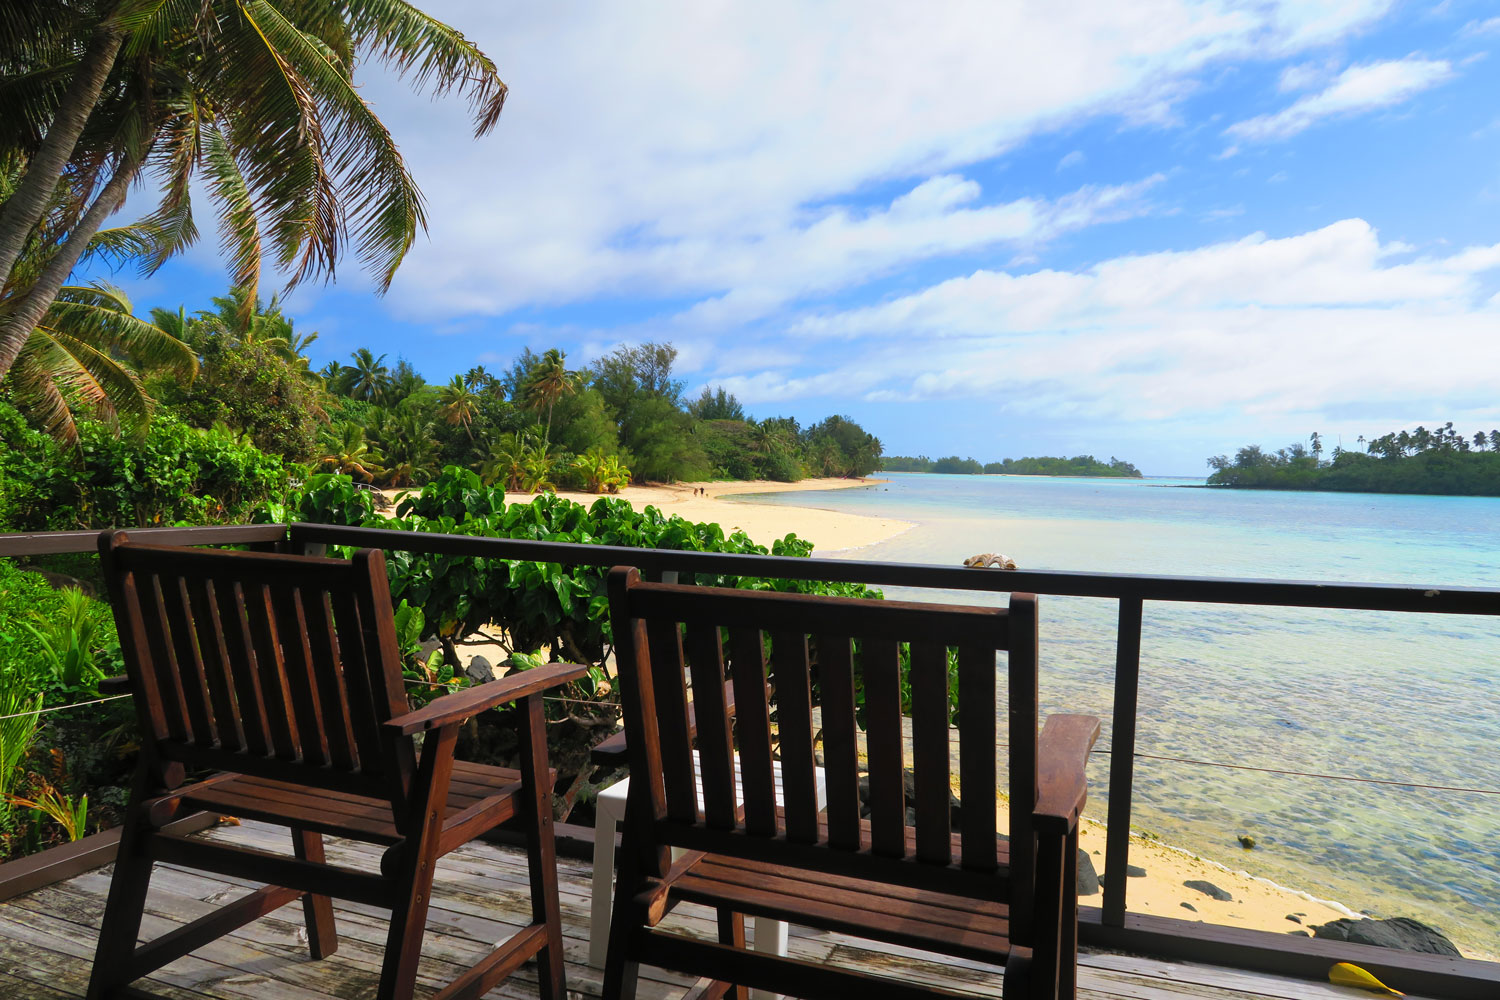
[(47, 543), (1201, 590), (1121, 586)]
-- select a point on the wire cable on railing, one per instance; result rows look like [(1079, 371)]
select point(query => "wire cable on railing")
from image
[(64, 708)]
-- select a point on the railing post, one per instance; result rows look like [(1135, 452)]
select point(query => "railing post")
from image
[(1122, 760)]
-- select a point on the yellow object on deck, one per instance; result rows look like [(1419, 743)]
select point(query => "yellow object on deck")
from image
[(1344, 974)]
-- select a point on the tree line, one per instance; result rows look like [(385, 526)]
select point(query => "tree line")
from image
[(1441, 461), (1079, 465)]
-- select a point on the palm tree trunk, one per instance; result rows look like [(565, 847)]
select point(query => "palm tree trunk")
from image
[(26, 205), (33, 305)]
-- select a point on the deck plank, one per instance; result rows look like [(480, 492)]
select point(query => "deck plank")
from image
[(481, 896)]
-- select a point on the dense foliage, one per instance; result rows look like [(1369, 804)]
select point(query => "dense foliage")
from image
[(174, 473), (1420, 461), (1078, 465)]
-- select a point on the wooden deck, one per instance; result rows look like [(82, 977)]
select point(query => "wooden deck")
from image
[(47, 941)]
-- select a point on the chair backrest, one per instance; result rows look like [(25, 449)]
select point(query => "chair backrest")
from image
[(279, 666), (663, 632)]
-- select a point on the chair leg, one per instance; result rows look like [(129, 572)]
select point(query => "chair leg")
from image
[(120, 927), (413, 881), (541, 850), (1067, 959), (732, 932), (322, 936), (620, 971)]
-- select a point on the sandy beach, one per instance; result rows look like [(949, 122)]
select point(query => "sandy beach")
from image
[(828, 530)]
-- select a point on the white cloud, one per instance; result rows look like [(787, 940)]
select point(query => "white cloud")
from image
[(1304, 76), (1265, 326), (1073, 159), (1490, 26), (702, 151), (1356, 90)]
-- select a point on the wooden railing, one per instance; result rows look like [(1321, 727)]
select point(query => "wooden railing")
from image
[(1109, 926)]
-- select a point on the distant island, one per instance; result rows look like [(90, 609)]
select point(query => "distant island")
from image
[(1078, 465), (1421, 461)]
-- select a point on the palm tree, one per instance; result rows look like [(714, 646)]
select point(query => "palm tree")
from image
[(479, 379), (601, 472), (458, 405), (254, 100), (506, 463), (368, 378), (548, 381), (346, 451), (88, 350)]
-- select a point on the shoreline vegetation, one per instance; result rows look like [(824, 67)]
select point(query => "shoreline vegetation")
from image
[(1441, 462), (1078, 466)]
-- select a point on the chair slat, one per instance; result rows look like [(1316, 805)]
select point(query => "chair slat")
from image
[(791, 671), (753, 714), (1022, 702), (163, 658), (715, 741), (231, 615), (667, 676), (976, 756), (929, 734), (271, 669), (356, 681), (840, 742), (179, 616), (291, 629), (329, 675), (881, 667), (215, 663)]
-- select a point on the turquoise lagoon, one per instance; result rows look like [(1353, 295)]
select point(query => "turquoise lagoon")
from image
[(1366, 694)]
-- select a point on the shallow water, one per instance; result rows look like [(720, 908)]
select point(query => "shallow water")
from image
[(1364, 694)]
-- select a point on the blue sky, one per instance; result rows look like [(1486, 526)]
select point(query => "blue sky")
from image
[(1158, 229)]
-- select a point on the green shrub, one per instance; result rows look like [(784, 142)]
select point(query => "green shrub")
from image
[(175, 473)]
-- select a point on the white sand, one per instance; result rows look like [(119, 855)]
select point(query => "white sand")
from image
[(828, 530)]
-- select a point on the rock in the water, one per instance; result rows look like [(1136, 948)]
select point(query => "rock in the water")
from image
[(1088, 879), (1208, 889), (1247, 842), (480, 670), (1401, 933), (1135, 871), (1188, 906)]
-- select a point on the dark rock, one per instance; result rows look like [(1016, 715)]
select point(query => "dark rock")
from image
[(1294, 918), (1247, 842), (1135, 871), (1188, 906), (1208, 889), (1088, 879), (480, 670), (1401, 933), (1299, 934)]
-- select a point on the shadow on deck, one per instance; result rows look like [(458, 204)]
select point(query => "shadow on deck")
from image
[(47, 940)]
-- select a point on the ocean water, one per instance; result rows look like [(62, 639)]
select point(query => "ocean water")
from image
[(1407, 697)]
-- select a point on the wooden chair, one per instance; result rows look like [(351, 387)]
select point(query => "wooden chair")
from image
[(965, 892), (281, 674)]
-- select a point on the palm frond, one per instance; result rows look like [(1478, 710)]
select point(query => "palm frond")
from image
[(101, 316), (239, 229), (433, 53), (114, 391), (386, 208), (35, 392)]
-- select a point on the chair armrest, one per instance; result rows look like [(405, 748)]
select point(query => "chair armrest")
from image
[(460, 705), (1062, 756), (114, 685), (611, 750)]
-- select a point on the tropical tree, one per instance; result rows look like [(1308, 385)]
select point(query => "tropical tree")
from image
[(458, 405), (367, 379), (255, 99), (506, 463), (87, 351), (548, 382), (346, 451), (601, 471)]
